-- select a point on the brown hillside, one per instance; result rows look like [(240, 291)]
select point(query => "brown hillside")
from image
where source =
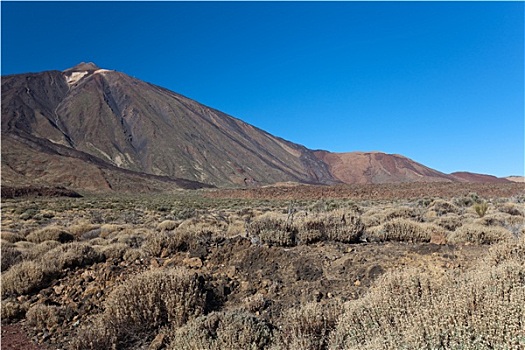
[(471, 177), (34, 163), (376, 167)]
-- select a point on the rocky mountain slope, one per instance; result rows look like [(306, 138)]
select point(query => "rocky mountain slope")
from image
[(29, 161), (98, 129), (144, 128)]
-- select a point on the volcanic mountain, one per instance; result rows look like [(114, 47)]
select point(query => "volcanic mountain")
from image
[(144, 128), (93, 128)]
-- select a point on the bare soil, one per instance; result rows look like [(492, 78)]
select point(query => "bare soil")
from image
[(14, 337)]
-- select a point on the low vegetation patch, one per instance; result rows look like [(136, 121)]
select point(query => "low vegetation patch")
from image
[(143, 304), (479, 234), (25, 277), (336, 226), (273, 231), (187, 271), (404, 230), (414, 310), (223, 330), (51, 233)]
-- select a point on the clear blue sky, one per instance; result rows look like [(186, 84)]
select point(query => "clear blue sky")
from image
[(439, 82)]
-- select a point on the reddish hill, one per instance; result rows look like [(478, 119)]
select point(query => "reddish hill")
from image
[(377, 167), (481, 178)]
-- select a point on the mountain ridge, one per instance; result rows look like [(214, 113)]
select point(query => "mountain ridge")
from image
[(118, 122)]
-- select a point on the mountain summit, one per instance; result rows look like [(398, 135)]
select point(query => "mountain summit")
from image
[(112, 131), (83, 66)]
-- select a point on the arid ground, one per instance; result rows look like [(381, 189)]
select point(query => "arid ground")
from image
[(436, 265)]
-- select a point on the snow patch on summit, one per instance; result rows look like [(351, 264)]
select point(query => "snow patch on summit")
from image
[(74, 77)]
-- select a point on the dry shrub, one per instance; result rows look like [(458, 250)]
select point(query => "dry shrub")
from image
[(38, 250), (167, 225), (509, 250), (402, 212), (50, 233), (162, 244), (95, 335), (482, 309), (273, 230), (442, 207), (71, 255), (371, 219), (143, 304), (404, 230), (515, 220), (134, 255), (12, 310), (165, 243), (80, 229), (114, 251), (479, 234), (467, 201), (255, 302), (491, 220), (217, 224), (44, 316), (9, 256), (235, 227), (334, 226), (10, 237), (99, 241), (24, 245), (25, 277), (307, 327), (512, 209), (223, 330), (109, 230), (132, 240), (376, 216), (449, 222)]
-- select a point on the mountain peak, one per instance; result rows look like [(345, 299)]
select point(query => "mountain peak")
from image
[(83, 66)]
